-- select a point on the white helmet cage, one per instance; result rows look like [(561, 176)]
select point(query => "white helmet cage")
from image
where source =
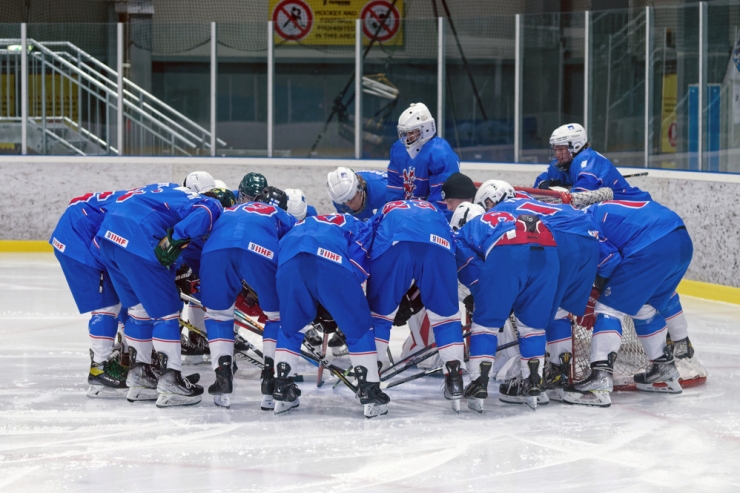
[(492, 192), (297, 206), (343, 185), (200, 181), (464, 213), (571, 135), (416, 117)]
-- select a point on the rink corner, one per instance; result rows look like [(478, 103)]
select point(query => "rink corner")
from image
[(25, 246), (707, 291)]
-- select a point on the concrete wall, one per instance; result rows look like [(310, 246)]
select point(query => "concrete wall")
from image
[(41, 186)]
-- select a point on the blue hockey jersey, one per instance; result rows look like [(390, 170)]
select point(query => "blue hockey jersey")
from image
[(558, 217), (376, 183), (254, 226), (591, 171), (143, 215), (79, 224), (423, 176), (339, 238), (631, 226), (410, 220)]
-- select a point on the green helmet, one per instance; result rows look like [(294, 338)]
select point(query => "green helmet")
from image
[(251, 185), (223, 195)]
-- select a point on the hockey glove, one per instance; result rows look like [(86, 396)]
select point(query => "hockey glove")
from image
[(547, 184), (186, 280), (325, 320), (168, 250), (469, 303), (411, 304), (589, 318)]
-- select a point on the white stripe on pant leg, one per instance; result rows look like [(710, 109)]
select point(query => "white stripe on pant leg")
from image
[(654, 343), (678, 326), (196, 316), (285, 356), (475, 361), (103, 346), (172, 349), (603, 343), (268, 345), (219, 348), (369, 360), (525, 332), (220, 315), (450, 352)]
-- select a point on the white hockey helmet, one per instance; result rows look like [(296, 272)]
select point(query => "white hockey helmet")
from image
[(297, 206), (200, 181), (415, 127), (464, 213), (571, 135), (343, 185), (221, 184), (492, 192)]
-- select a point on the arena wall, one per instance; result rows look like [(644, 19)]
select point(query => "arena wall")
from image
[(41, 186)]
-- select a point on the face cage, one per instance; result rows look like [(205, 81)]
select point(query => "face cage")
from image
[(563, 166), (404, 134), (244, 198)]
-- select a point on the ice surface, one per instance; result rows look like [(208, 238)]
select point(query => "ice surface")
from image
[(54, 438)]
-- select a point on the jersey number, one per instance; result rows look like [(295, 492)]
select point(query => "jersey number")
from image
[(261, 209), (539, 209), (335, 219)]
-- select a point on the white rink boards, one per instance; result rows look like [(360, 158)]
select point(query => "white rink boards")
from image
[(53, 438)]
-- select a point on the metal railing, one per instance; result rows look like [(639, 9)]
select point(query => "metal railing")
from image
[(73, 105)]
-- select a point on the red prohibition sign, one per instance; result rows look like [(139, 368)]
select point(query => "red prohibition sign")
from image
[(373, 16), (292, 19)]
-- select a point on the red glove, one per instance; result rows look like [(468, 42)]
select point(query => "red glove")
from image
[(247, 303), (588, 319)]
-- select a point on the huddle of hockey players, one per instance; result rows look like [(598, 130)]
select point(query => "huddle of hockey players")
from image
[(422, 232)]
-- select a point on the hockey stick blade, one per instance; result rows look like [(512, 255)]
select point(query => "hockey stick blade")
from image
[(386, 385)]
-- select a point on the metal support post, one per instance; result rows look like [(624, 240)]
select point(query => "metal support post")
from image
[(358, 89), (648, 80), (270, 88), (587, 53), (703, 44), (119, 100), (518, 62), (214, 69), (24, 90), (441, 67)]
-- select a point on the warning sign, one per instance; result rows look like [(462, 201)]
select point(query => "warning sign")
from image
[(332, 22), (380, 21), (292, 19)]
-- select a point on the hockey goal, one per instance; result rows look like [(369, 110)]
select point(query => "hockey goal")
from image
[(631, 358)]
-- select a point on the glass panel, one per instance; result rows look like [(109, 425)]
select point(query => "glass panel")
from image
[(723, 74), (10, 89), (618, 99), (553, 79), (479, 96), (404, 64), (314, 94), (241, 110)]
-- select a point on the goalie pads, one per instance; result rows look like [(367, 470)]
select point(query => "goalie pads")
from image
[(580, 200)]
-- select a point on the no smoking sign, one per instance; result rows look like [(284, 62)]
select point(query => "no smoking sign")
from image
[(292, 19), (380, 20)]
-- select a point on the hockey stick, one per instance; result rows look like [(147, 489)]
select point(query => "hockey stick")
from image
[(337, 371), (635, 175), (320, 374), (386, 385)]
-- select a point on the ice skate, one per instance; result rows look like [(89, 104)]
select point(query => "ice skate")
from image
[(313, 337), (454, 384), (223, 386), (557, 377), (141, 381), (525, 390), (268, 385), (194, 348), (286, 392), (682, 349), (373, 399), (107, 379), (594, 390), (174, 390), (477, 390), (661, 376), (337, 345)]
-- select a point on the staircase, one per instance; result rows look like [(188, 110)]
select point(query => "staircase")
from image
[(73, 101)]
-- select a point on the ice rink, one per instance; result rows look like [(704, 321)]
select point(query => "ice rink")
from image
[(54, 438)]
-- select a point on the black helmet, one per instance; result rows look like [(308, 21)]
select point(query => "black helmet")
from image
[(223, 195)]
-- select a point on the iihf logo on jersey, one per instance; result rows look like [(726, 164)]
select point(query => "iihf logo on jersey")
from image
[(409, 176)]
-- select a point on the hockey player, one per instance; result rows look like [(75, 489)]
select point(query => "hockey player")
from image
[(359, 193), (199, 181), (323, 262), (297, 205), (578, 253), (420, 162), (251, 186), (139, 240), (91, 287), (243, 247), (509, 264), (639, 280), (413, 242), (578, 166), (458, 188)]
